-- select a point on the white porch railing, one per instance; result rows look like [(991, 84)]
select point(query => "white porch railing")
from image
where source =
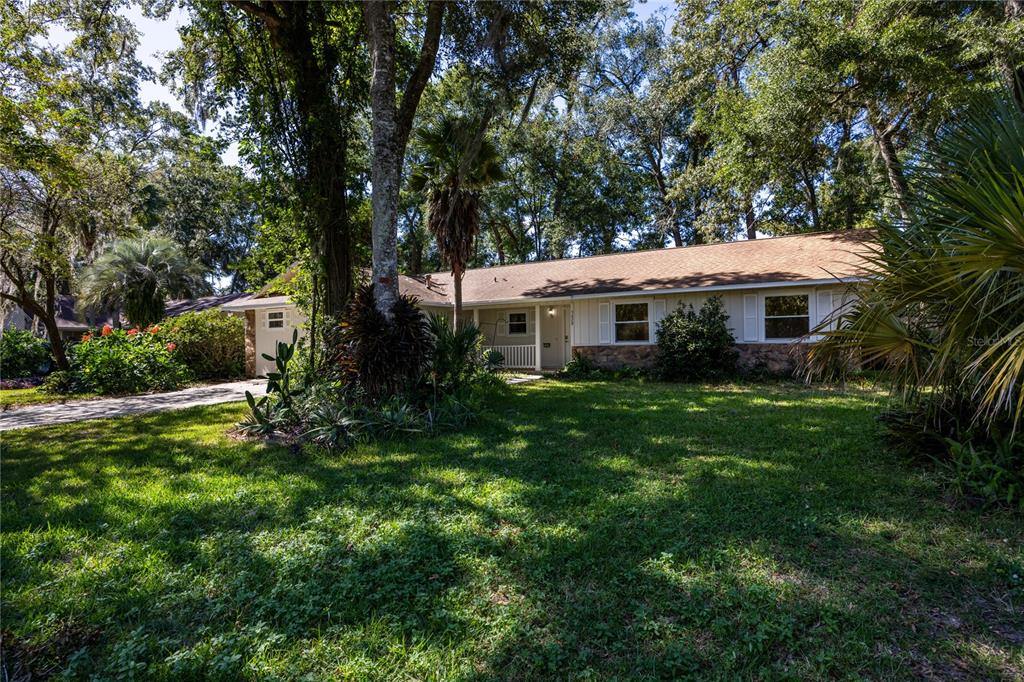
[(517, 357)]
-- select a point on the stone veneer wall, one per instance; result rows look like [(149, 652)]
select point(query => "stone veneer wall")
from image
[(617, 357), (773, 358), (250, 343)]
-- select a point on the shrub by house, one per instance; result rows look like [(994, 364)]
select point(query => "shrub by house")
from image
[(210, 343), (696, 345)]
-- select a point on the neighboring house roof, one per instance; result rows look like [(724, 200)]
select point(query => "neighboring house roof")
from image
[(430, 289), (427, 291), (194, 305), (793, 259), (68, 319)]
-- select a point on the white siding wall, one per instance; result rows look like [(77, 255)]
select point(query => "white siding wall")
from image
[(267, 338), (494, 325), (586, 312)]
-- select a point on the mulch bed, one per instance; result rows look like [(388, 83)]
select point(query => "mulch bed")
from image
[(26, 382)]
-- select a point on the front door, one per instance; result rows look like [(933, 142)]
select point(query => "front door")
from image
[(554, 335)]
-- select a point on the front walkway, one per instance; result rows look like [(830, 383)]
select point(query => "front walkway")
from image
[(62, 413)]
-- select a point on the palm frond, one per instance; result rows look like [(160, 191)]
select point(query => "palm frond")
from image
[(943, 306), (137, 274)]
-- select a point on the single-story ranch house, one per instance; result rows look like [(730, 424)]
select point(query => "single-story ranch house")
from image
[(607, 307)]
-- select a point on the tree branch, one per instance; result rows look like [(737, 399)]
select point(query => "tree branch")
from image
[(263, 12), (424, 68)]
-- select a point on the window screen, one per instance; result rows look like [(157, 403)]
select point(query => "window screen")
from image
[(631, 322), (786, 317), (517, 323)]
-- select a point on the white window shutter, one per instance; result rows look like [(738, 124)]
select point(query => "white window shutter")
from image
[(750, 317), (604, 323), (659, 310), (825, 308)]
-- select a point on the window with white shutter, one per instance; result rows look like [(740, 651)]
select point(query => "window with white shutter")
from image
[(750, 317), (826, 307), (604, 323)]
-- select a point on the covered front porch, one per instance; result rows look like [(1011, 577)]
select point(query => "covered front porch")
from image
[(532, 336)]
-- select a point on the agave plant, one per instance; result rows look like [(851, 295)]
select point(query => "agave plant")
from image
[(138, 274), (943, 306)]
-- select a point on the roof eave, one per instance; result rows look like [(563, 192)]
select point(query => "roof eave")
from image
[(276, 301), (673, 290)]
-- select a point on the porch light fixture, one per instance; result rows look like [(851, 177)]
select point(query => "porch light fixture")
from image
[(551, 311)]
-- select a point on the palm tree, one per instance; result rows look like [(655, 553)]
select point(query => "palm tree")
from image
[(944, 305), (458, 162), (137, 274)]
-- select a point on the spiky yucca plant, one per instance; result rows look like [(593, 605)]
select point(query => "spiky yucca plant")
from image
[(457, 165), (137, 274), (944, 304)]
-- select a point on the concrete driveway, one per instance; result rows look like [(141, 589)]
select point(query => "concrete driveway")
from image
[(74, 411)]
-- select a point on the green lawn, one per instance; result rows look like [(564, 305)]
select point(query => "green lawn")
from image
[(11, 397), (580, 531), (19, 397)]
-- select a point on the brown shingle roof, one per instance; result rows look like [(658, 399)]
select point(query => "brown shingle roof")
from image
[(794, 258)]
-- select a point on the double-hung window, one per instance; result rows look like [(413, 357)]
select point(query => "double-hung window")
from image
[(631, 324), (517, 324), (275, 319), (786, 317)]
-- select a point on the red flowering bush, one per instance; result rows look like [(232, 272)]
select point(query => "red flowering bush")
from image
[(119, 361)]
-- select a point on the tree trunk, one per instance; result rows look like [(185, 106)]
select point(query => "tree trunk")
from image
[(45, 313), (1014, 74), (323, 131), (499, 243), (457, 282), (390, 132), (840, 169), (56, 343), (749, 218), (416, 253), (325, 139), (385, 169), (811, 194), (893, 168)]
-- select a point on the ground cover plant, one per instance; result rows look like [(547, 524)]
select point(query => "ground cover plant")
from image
[(578, 530), (415, 373)]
